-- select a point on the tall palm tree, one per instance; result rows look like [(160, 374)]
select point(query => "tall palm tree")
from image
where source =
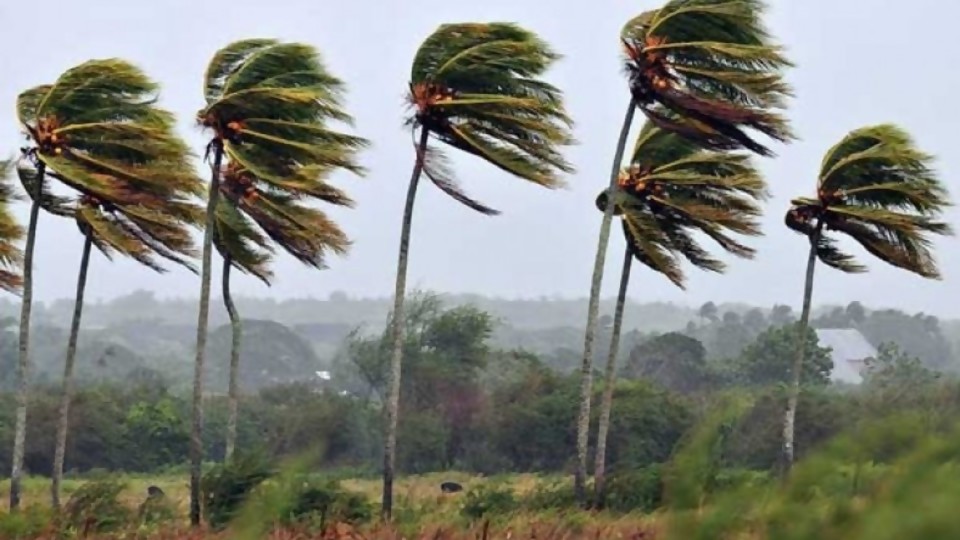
[(705, 70), (268, 105), (247, 216), (877, 188), (477, 88), (153, 226), (671, 190), (98, 131), (11, 256)]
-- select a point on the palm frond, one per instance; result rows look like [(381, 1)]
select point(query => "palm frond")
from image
[(11, 257), (712, 61), (478, 88), (271, 103), (237, 237)]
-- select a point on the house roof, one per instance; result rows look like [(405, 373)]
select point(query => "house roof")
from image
[(849, 348)]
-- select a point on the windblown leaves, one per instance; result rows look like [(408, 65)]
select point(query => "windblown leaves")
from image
[(878, 189), (270, 105), (478, 88), (711, 61), (673, 191), (97, 130), (11, 257)]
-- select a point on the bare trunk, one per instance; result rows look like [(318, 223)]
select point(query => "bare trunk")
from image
[(63, 420), (586, 369), (196, 432), (397, 330), (793, 396), (610, 380), (23, 364), (233, 392)]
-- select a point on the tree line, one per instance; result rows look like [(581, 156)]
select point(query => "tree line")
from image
[(705, 74)]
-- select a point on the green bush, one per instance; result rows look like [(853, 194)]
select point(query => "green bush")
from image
[(327, 502), (30, 522), (96, 507), (484, 500), (557, 495), (636, 490), (227, 486)]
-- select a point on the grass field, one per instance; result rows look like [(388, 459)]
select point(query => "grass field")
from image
[(421, 510)]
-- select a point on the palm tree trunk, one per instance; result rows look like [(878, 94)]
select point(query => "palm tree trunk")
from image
[(233, 392), (196, 432), (610, 380), (793, 396), (63, 420), (23, 365), (397, 332), (586, 369)]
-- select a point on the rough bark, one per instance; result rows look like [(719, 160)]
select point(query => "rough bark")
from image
[(610, 381), (196, 431), (66, 394), (397, 332), (233, 392), (23, 364), (793, 395), (586, 369)]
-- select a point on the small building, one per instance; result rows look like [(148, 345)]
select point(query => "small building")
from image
[(850, 350)]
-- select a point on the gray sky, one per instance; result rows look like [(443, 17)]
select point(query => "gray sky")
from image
[(858, 63)]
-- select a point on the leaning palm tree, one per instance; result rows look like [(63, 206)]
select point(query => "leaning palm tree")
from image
[(155, 226), (476, 88), (705, 70), (877, 188), (98, 131), (268, 105), (11, 256), (249, 217), (671, 190)]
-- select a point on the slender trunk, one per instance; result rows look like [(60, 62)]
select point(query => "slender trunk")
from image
[(610, 380), (23, 365), (233, 392), (397, 331), (63, 420), (586, 369), (196, 432), (789, 417)]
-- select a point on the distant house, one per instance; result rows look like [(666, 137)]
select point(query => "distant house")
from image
[(849, 352)]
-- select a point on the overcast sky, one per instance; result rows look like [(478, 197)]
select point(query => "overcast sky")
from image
[(858, 63)]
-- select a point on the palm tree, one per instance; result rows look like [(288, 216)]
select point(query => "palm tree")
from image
[(671, 190), (11, 256), (268, 105), (247, 215), (705, 70), (96, 130), (876, 187), (478, 88), (154, 226)]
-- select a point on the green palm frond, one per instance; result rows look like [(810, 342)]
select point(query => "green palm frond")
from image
[(878, 188), (238, 238), (97, 130), (712, 61), (270, 105), (11, 257), (478, 88), (673, 190)]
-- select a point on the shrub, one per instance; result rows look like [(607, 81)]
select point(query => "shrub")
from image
[(485, 500), (226, 487), (557, 495), (327, 502), (95, 507), (635, 490), (31, 522)]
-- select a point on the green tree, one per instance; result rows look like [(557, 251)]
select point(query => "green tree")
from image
[(671, 191), (96, 130), (674, 361), (702, 69), (878, 189), (268, 106), (477, 88), (767, 361)]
